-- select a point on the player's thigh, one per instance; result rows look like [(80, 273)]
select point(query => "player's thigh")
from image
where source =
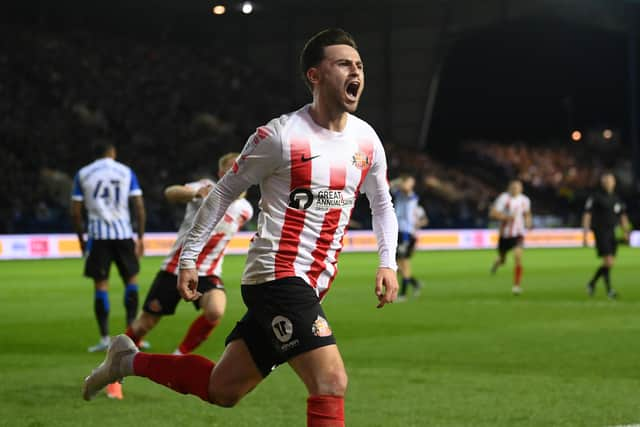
[(517, 253), (609, 260), (322, 371), (213, 304), (235, 375), (124, 254), (213, 301), (98, 262)]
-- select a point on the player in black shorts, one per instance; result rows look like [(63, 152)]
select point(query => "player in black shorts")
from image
[(602, 213)]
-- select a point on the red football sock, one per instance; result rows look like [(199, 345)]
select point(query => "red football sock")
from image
[(136, 339), (325, 411), (517, 274), (199, 331), (187, 374)]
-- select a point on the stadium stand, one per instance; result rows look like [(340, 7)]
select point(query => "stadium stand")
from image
[(170, 107)]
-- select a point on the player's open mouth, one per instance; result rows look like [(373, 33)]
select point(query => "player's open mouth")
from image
[(352, 90)]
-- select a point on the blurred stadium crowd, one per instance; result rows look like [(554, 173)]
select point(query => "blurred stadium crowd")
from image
[(173, 109)]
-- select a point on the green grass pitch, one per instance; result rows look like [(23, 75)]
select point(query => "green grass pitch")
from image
[(465, 353)]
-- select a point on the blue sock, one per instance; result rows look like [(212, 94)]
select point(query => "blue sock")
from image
[(101, 308), (131, 301)]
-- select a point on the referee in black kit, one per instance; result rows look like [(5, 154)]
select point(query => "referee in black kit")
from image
[(602, 211)]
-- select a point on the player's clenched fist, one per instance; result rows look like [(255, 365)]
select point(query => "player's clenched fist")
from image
[(188, 284)]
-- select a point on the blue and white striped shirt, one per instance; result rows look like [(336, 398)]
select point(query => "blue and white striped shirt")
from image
[(105, 187), (405, 206)]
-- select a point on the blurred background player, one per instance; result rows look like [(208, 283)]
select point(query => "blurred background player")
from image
[(163, 296), (602, 212), (104, 188), (513, 210), (406, 207)]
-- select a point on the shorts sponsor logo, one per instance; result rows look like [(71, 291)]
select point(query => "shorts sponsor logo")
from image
[(155, 306), (282, 328), (289, 345), (320, 327)]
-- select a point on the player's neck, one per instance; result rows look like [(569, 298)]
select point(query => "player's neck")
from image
[(328, 118)]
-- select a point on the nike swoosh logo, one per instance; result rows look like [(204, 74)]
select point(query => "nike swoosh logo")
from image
[(306, 159)]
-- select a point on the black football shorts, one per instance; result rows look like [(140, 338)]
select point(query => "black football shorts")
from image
[(101, 253), (163, 296), (405, 247), (284, 319), (606, 243), (505, 244)]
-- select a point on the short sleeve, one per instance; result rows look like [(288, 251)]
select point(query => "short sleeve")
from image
[(501, 202), (134, 187), (76, 192), (588, 206), (623, 207)]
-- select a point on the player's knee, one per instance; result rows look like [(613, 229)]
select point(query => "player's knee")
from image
[(213, 316), (225, 398), (333, 383)]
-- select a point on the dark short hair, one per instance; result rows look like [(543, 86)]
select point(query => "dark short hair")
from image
[(101, 146), (313, 52)]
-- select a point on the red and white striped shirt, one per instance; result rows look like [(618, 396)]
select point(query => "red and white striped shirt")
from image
[(516, 207), (209, 261), (309, 179)]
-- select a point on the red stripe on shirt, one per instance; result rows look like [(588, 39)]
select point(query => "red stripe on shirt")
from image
[(365, 147), (173, 264), (294, 218), (337, 181), (209, 247), (512, 221), (215, 262)]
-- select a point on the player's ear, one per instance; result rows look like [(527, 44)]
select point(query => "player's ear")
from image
[(313, 75)]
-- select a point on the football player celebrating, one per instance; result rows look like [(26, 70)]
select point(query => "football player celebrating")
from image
[(310, 165)]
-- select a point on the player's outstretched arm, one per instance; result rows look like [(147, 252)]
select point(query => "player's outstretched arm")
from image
[(260, 156), (184, 194)]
